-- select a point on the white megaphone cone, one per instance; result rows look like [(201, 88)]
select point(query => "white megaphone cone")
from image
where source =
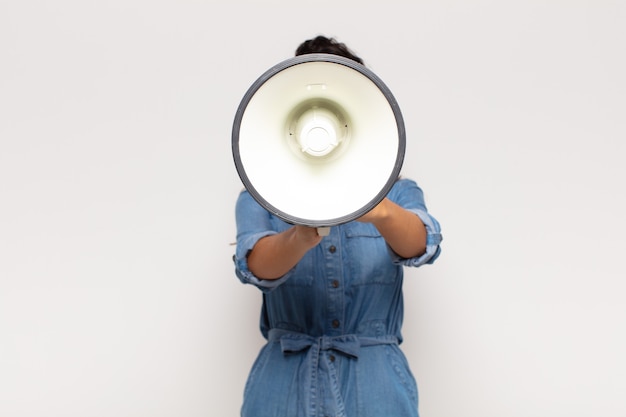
[(318, 140)]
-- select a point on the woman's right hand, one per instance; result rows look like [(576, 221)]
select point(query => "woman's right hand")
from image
[(307, 236)]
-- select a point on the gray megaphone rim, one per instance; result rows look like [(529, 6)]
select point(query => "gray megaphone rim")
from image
[(301, 59)]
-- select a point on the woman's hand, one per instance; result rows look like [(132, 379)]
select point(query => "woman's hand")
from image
[(378, 213), (306, 236)]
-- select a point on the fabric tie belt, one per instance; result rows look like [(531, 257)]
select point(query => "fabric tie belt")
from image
[(320, 369), (349, 345)]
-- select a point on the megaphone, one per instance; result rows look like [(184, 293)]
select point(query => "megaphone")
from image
[(318, 140)]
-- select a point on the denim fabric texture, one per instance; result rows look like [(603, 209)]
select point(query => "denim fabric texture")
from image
[(333, 323)]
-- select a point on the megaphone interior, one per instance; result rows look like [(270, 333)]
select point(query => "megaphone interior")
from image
[(318, 140)]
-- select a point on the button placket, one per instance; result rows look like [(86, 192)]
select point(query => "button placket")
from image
[(335, 306)]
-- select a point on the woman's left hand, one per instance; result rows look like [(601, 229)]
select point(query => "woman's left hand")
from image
[(379, 212)]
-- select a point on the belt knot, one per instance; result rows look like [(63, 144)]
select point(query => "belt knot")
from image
[(348, 344)]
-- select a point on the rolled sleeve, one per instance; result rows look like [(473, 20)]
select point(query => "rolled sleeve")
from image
[(408, 195), (241, 264), (433, 239), (253, 224)]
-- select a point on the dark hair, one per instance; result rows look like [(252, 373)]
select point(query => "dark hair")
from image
[(324, 45)]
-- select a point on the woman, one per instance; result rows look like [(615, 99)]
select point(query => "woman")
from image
[(332, 306)]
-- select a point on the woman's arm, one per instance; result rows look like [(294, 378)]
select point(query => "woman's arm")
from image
[(403, 231), (273, 256)]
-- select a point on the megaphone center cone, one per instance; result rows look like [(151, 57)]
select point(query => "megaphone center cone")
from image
[(318, 141)]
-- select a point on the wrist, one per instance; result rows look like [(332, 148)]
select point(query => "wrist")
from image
[(381, 213), (304, 237)]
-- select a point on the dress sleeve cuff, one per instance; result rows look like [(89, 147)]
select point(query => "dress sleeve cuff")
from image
[(241, 264), (433, 239)]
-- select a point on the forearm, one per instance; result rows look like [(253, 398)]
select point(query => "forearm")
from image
[(403, 230), (273, 256)]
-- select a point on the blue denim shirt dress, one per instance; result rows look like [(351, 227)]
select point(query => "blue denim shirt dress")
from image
[(333, 323)]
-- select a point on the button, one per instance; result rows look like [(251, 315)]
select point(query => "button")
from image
[(335, 283), (335, 323), (332, 358), (332, 249)]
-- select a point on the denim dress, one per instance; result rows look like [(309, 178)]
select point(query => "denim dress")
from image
[(333, 323)]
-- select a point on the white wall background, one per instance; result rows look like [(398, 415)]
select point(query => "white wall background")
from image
[(117, 188)]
